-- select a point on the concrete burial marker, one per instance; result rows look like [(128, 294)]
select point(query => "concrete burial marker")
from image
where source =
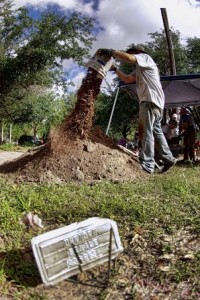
[(65, 252)]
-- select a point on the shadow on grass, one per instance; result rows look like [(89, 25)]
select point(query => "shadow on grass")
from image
[(183, 164), (19, 266)]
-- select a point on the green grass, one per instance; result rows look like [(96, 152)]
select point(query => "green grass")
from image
[(12, 147), (163, 205)]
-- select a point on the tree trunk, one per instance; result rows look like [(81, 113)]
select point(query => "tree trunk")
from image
[(10, 133), (2, 132)]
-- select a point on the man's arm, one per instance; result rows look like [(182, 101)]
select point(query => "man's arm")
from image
[(130, 58), (127, 78)]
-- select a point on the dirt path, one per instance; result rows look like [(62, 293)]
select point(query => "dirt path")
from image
[(9, 155)]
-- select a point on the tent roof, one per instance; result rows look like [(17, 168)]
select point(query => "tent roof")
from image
[(179, 90)]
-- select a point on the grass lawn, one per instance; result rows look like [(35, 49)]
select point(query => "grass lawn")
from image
[(158, 222), (11, 147)]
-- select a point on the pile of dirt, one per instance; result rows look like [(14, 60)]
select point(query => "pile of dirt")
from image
[(77, 151), (82, 160)]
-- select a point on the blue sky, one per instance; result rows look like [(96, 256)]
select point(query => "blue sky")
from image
[(124, 22)]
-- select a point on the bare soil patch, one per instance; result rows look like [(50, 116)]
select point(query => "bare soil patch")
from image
[(6, 156)]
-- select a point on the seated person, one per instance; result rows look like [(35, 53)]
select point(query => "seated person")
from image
[(174, 131), (171, 132), (176, 117), (165, 129), (135, 145)]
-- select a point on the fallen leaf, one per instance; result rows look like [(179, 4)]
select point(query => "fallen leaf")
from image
[(164, 268), (31, 220), (166, 256), (188, 257)]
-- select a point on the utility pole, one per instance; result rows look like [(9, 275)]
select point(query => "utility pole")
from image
[(169, 42)]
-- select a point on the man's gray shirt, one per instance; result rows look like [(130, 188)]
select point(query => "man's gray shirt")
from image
[(148, 83)]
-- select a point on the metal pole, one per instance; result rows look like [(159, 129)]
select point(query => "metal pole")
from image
[(110, 255), (113, 108)]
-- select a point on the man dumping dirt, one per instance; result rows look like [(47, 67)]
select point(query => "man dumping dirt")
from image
[(77, 151)]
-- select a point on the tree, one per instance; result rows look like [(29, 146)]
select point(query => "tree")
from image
[(32, 52), (157, 48), (30, 46), (193, 54), (39, 113)]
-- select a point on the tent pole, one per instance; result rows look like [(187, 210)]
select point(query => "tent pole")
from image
[(111, 115)]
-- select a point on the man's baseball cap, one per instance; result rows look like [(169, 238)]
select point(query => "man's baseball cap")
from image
[(136, 48)]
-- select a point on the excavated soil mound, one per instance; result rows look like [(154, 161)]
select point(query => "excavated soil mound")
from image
[(83, 160)]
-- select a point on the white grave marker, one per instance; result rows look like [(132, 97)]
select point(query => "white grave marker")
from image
[(65, 252)]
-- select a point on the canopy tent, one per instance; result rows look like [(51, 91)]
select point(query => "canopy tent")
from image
[(179, 90)]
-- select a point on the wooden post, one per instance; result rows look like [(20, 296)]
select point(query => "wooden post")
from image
[(169, 42)]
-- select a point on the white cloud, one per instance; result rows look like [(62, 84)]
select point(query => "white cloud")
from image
[(69, 4), (126, 21), (70, 66), (131, 21), (77, 81)]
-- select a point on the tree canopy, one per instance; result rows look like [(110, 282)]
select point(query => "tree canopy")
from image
[(29, 46)]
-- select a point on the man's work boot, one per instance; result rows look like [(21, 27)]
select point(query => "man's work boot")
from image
[(169, 165)]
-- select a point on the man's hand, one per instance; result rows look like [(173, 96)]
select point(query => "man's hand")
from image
[(105, 51)]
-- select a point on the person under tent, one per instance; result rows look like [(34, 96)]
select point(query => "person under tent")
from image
[(171, 134), (188, 131)]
